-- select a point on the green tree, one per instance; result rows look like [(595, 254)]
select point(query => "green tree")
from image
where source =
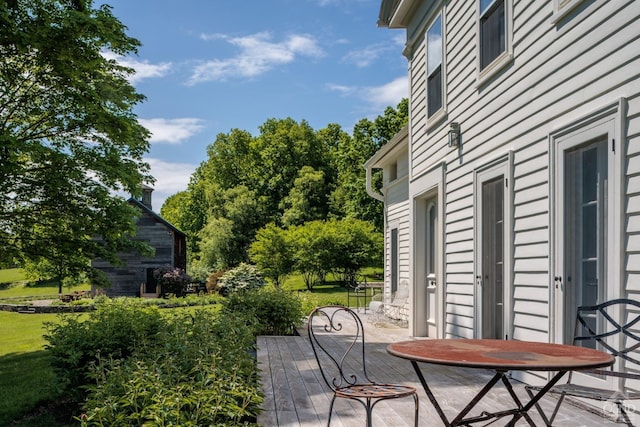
[(231, 228), (216, 244), (356, 245), (173, 209), (68, 134), (350, 199), (230, 159), (272, 253), (283, 147), (307, 200), (313, 252)]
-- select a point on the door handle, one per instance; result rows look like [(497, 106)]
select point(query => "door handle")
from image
[(431, 280), (558, 281)]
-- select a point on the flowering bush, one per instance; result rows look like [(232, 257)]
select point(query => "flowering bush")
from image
[(172, 280), (242, 278)]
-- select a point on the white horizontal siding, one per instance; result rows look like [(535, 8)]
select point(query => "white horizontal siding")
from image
[(558, 74)]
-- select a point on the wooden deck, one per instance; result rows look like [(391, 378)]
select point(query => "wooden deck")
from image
[(295, 394)]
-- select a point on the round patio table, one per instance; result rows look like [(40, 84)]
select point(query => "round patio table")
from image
[(500, 356)]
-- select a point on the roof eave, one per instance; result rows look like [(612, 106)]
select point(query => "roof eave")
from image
[(394, 13)]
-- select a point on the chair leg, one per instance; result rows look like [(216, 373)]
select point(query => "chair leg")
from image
[(333, 399), (624, 414), (415, 400)]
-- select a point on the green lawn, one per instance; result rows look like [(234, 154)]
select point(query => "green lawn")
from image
[(14, 285), (25, 375), (11, 275)]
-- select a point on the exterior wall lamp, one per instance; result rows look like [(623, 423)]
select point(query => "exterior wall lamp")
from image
[(454, 134)]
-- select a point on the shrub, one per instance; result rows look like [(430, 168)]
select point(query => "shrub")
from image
[(271, 311), (212, 281), (198, 372), (242, 278), (113, 331), (172, 280), (309, 301)]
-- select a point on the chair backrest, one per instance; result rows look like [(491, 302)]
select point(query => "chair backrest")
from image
[(613, 327), (337, 338), (402, 294)]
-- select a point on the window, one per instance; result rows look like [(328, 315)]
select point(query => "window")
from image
[(562, 8), (494, 37), (492, 31), (434, 67)]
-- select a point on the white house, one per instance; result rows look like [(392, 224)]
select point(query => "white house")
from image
[(519, 198)]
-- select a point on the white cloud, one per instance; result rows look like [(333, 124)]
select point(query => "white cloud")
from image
[(143, 69), (388, 94), (172, 131), (378, 97), (363, 57), (171, 178), (345, 90), (257, 55)]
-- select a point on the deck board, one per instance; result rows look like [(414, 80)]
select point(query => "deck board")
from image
[(296, 395)]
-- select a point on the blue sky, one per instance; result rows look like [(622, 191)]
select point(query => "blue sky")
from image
[(209, 66)]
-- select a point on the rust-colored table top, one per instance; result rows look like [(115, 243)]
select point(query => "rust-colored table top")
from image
[(501, 355)]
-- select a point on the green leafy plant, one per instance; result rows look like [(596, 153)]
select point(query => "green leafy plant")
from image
[(197, 372), (271, 311), (113, 331), (242, 278)]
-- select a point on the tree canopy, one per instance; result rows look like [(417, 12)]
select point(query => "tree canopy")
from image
[(69, 138), (288, 175)]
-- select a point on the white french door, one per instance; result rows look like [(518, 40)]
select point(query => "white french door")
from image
[(587, 160), (493, 249)]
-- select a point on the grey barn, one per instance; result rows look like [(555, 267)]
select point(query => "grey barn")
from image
[(135, 278)]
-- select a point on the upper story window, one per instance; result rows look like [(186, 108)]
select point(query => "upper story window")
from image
[(492, 31), (494, 36), (562, 8), (434, 67)]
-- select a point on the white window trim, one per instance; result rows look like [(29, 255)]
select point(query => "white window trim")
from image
[(441, 113), (503, 59), (561, 8)]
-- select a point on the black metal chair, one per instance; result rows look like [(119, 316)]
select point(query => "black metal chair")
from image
[(337, 338), (607, 327)]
